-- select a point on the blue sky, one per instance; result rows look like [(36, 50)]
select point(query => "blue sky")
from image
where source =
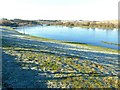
[(60, 9)]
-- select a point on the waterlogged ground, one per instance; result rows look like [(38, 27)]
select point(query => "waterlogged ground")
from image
[(31, 62)]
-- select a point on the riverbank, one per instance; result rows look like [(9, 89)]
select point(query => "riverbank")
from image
[(107, 24), (74, 34), (33, 62)]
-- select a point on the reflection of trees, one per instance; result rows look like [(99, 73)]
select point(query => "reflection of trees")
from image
[(93, 24)]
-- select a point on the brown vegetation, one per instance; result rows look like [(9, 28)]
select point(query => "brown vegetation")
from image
[(79, 23), (90, 24), (17, 22)]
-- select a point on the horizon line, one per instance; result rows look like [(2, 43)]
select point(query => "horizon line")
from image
[(62, 19)]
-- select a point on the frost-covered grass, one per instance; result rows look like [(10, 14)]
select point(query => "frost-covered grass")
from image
[(30, 62)]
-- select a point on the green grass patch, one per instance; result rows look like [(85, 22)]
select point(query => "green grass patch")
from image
[(92, 47), (73, 42), (110, 43), (7, 27)]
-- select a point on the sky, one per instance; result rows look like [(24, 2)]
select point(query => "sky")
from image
[(59, 9)]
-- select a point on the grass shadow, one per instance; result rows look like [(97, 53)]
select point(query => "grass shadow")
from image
[(14, 76)]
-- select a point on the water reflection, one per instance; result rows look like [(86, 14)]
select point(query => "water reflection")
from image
[(75, 34)]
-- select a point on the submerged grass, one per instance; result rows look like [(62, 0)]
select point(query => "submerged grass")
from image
[(7, 27), (97, 48), (111, 43), (92, 47)]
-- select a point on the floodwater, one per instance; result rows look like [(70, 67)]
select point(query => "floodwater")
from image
[(75, 34)]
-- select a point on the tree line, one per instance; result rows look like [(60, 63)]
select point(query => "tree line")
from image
[(17, 22), (78, 23), (89, 24)]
